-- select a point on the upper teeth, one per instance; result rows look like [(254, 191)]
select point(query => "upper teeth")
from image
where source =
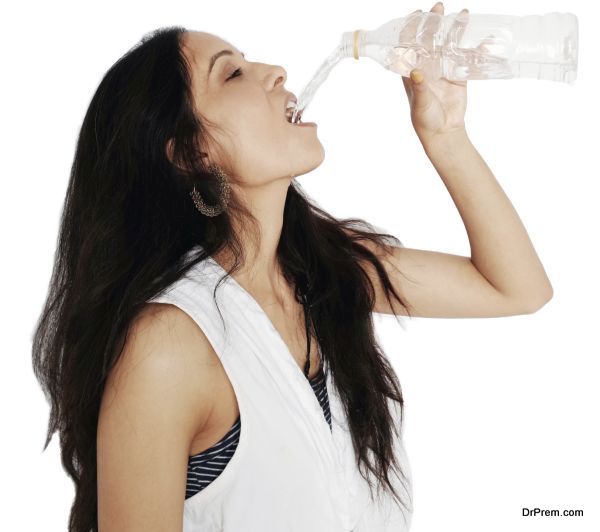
[(289, 110)]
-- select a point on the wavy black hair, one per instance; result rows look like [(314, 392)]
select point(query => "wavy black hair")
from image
[(128, 223)]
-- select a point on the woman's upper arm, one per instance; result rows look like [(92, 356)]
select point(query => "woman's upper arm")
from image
[(155, 399), (440, 285)]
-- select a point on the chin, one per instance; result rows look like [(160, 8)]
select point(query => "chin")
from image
[(315, 162), (321, 156), (312, 157)]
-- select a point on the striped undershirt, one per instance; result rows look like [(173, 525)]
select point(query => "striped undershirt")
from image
[(204, 467)]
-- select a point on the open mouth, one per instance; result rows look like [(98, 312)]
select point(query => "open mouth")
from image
[(289, 114), (296, 120)]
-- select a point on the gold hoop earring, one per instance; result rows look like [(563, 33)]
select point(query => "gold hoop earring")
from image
[(213, 210)]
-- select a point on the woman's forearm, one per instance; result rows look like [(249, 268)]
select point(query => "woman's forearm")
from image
[(500, 246)]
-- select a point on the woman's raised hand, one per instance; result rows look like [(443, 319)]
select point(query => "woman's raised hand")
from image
[(437, 106)]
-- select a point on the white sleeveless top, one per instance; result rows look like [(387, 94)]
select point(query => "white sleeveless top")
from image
[(290, 471)]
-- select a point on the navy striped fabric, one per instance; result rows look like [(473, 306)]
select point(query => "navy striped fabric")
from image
[(204, 467)]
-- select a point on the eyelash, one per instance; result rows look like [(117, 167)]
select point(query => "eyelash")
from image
[(235, 74)]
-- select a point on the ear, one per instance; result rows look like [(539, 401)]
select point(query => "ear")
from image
[(169, 149)]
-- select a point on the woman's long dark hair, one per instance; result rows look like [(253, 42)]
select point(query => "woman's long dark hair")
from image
[(127, 226)]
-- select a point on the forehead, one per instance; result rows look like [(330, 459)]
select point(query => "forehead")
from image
[(199, 48)]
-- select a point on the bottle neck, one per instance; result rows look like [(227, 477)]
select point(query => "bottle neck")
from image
[(353, 44)]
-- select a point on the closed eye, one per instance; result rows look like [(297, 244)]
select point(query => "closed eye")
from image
[(237, 72)]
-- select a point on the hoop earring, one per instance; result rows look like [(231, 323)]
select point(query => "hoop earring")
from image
[(213, 210)]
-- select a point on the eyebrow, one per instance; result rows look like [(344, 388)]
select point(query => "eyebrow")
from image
[(214, 58)]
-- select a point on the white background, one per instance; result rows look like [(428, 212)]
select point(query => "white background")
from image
[(502, 413)]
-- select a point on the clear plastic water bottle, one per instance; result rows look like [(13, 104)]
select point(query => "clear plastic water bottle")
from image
[(466, 46), (462, 46)]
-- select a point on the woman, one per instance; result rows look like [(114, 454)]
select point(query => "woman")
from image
[(197, 292)]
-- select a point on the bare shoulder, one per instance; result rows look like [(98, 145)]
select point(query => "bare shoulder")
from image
[(166, 323), (165, 342), (157, 397)]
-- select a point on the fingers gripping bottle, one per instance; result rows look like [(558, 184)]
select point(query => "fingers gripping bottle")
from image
[(462, 46)]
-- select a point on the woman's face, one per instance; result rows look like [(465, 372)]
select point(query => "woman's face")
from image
[(247, 99)]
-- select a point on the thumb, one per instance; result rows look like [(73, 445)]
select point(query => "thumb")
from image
[(417, 78), (421, 94)]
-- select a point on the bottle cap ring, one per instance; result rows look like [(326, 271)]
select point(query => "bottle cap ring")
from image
[(356, 32)]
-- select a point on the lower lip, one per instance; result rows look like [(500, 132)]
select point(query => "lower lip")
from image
[(303, 124)]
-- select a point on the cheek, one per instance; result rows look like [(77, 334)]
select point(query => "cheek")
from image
[(260, 118), (262, 144), (261, 130), (263, 150)]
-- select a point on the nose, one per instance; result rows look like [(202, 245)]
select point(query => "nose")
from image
[(279, 74)]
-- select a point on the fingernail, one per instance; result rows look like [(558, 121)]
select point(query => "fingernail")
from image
[(416, 76)]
